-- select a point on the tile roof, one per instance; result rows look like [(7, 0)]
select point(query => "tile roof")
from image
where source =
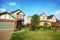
[(49, 17), (57, 20)]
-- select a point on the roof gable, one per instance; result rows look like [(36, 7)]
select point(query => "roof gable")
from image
[(43, 14), (18, 11), (49, 17)]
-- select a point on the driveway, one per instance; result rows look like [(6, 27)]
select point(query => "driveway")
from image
[(5, 34)]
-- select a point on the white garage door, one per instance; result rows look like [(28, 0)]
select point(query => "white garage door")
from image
[(6, 25)]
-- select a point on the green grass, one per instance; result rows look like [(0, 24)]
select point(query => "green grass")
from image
[(38, 34)]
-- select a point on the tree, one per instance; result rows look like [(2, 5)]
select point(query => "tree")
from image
[(35, 21)]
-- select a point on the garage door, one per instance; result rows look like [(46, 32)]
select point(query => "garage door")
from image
[(6, 25)]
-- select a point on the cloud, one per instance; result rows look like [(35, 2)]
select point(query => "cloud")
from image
[(56, 12), (12, 4), (2, 10)]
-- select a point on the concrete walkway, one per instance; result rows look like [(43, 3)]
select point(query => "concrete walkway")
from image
[(19, 31), (6, 34)]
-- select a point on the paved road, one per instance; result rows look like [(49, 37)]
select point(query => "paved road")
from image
[(5, 34)]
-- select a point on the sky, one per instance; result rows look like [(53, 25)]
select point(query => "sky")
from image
[(31, 7)]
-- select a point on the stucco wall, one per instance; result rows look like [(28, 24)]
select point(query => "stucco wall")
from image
[(18, 16), (6, 16), (42, 23)]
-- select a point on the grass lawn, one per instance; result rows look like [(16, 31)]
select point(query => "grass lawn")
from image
[(38, 34)]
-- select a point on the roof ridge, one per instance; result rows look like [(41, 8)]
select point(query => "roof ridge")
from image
[(15, 11), (50, 16)]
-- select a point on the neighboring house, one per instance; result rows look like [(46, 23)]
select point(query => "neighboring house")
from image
[(56, 24), (28, 20), (12, 20), (43, 18)]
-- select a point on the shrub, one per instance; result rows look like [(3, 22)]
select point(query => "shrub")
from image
[(35, 22), (46, 26)]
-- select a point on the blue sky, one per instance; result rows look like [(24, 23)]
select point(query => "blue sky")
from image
[(31, 7)]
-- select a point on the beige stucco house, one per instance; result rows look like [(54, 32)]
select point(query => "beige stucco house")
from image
[(11, 20), (43, 18)]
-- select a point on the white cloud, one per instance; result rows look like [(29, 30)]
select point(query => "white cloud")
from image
[(12, 4), (2, 10), (56, 12)]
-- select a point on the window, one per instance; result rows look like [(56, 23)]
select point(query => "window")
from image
[(44, 18), (20, 16)]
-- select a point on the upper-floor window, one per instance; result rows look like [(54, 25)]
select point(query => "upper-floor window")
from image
[(20, 16)]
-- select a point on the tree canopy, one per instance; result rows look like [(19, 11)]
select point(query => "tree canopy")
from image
[(35, 20)]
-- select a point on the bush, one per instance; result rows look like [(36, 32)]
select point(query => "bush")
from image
[(46, 26), (32, 28)]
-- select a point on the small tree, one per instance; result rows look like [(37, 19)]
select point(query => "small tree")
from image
[(35, 21), (19, 27), (46, 25)]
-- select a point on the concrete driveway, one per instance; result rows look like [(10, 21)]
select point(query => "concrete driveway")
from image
[(5, 34)]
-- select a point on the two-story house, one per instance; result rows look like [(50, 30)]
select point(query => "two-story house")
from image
[(43, 18), (12, 19)]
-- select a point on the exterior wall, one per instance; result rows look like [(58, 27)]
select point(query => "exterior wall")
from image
[(6, 16), (19, 16), (2, 17), (55, 24), (15, 14), (49, 23), (41, 23), (52, 20), (28, 20), (43, 17), (21, 13)]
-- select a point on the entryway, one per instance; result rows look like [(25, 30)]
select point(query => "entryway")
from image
[(19, 25)]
